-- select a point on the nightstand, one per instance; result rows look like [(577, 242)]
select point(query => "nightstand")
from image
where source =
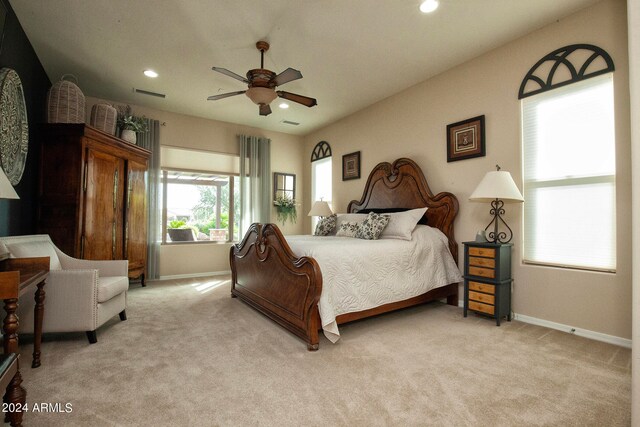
[(487, 279)]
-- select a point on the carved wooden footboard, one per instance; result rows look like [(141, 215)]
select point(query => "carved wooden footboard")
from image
[(270, 278)]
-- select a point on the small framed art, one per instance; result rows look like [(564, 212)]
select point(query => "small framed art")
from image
[(351, 166), (465, 139)]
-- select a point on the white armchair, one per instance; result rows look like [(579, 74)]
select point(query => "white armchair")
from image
[(80, 295)]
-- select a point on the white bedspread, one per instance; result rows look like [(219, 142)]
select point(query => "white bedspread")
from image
[(362, 274)]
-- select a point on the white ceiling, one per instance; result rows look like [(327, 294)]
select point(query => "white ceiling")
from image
[(352, 53)]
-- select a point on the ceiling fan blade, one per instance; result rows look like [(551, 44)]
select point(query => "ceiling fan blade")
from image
[(230, 74), (265, 109), (287, 76), (224, 95), (304, 100)]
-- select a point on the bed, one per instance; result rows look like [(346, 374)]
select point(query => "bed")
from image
[(270, 277)]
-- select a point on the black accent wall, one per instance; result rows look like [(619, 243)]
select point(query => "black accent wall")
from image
[(19, 216)]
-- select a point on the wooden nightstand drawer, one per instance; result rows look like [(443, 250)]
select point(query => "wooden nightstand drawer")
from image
[(482, 272), (482, 287), (482, 262), (477, 296), (487, 279), (485, 252), (478, 306)]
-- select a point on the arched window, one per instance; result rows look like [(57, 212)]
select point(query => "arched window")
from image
[(321, 173), (568, 151)]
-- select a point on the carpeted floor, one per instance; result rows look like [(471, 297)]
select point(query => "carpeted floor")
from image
[(189, 355)]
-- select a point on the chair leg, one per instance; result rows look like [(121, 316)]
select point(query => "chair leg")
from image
[(142, 280), (91, 335), (123, 315)]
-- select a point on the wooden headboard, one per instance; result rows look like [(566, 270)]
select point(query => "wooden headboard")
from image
[(402, 185)]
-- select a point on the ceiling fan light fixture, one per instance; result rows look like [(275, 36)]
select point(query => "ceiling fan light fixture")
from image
[(283, 105), (428, 6), (261, 95), (150, 73)]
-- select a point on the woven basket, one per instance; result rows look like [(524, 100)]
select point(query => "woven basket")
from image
[(103, 117), (65, 103)]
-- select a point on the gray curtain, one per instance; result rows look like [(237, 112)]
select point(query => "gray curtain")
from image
[(255, 181), (151, 141)]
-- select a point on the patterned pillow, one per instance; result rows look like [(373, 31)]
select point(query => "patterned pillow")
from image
[(372, 227), (326, 225), (348, 229)]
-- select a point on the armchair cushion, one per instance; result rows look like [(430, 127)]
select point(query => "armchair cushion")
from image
[(109, 287), (35, 249)]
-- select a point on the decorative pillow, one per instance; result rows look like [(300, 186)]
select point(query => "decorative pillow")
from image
[(348, 229), (401, 224), (326, 225), (349, 217), (372, 226)]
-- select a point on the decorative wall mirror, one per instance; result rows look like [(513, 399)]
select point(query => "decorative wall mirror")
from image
[(284, 185)]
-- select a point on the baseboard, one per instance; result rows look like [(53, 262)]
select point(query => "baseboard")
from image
[(193, 275), (597, 336)]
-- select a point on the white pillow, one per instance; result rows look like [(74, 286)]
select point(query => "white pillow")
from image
[(401, 224), (35, 249), (349, 217)]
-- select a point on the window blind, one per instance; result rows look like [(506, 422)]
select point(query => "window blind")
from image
[(569, 176)]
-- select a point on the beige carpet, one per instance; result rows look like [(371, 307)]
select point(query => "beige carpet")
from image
[(190, 355)]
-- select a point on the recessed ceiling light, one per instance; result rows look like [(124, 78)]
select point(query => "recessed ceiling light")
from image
[(428, 6), (283, 105), (150, 73)]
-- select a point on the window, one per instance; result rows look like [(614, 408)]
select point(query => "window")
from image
[(569, 175), (320, 183), (200, 206), (200, 195), (320, 175)]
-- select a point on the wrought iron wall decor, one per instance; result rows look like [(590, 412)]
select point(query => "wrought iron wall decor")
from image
[(540, 77), (322, 150)]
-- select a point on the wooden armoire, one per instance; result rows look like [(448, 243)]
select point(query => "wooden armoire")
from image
[(93, 194)]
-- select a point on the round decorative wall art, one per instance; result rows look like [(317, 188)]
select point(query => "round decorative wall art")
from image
[(14, 127)]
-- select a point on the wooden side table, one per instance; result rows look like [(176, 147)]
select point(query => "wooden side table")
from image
[(487, 279), (31, 276)]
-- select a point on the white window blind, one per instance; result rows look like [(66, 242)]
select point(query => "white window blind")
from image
[(569, 176), (321, 183)]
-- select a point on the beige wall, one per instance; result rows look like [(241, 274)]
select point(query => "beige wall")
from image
[(413, 123), (178, 130)]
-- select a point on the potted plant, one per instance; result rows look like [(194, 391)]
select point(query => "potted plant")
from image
[(285, 209), (129, 124), (179, 231)]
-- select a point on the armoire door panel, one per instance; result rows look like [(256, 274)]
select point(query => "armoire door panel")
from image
[(136, 217), (103, 211)]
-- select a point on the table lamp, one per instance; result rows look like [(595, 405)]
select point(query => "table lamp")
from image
[(320, 208), (498, 188), (6, 189)]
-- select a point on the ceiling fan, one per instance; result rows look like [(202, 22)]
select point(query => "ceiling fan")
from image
[(262, 84)]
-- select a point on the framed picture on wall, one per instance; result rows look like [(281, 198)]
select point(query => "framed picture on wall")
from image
[(351, 166), (465, 139)]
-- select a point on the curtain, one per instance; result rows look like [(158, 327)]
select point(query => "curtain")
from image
[(151, 141), (255, 181)]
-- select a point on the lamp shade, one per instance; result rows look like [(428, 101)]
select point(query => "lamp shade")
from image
[(261, 95), (6, 189), (497, 185), (320, 208)]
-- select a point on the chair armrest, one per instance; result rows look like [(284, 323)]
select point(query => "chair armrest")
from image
[(71, 300), (105, 268)]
